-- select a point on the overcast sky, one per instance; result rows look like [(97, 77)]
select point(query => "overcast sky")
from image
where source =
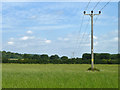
[(54, 28)]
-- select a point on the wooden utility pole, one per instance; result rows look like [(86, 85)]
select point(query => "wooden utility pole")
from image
[(92, 55), (73, 54)]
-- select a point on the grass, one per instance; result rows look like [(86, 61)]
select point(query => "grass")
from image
[(58, 76)]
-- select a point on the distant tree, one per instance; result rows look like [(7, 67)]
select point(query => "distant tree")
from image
[(44, 58), (104, 56), (36, 56), (55, 59), (4, 59), (99, 58), (114, 56), (27, 56), (64, 59), (86, 56), (4, 52), (79, 60)]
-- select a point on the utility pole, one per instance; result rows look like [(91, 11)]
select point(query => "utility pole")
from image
[(92, 55), (73, 54)]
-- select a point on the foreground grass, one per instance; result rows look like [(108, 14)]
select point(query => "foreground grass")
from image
[(58, 76)]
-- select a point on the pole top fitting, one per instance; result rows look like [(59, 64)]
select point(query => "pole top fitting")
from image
[(84, 12), (91, 12), (99, 12)]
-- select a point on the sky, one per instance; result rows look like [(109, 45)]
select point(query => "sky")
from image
[(55, 28)]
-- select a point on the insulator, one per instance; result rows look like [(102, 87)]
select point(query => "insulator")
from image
[(84, 12), (99, 12), (91, 11)]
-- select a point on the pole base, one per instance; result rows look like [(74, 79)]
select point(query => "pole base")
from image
[(94, 69)]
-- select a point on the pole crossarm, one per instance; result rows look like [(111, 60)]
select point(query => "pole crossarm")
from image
[(92, 54), (96, 14), (87, 14)]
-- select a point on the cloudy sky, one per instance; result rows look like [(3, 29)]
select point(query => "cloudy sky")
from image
[(54, 28)]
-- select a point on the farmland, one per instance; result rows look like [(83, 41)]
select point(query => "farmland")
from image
[(59, 76)]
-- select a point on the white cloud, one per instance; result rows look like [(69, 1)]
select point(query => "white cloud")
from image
[(66, 39), (115, 39), (11, 38), (55, 27), (47, 41), (60, 46), (96, 43), (88, 44), (24, 38), (33, 17), (63, 39), (55, 21), (10, 43), (27, 37), (60, 38), (29, 32), (94, 37)]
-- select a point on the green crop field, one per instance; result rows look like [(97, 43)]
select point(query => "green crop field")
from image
[(58, 76)]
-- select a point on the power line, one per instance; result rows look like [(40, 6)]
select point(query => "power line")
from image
[(87, 5), (101, 10), (81, 24), (96, 17), (105, 5), (86, 40), (88, 23), (96, 4), (83, 35)]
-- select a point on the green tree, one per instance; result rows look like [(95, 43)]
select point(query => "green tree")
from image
[(54, 59), (64, 59), (44, 58)]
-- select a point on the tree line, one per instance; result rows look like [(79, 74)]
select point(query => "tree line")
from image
[(100, 58)]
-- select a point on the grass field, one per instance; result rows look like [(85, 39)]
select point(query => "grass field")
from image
[(58, 76)]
